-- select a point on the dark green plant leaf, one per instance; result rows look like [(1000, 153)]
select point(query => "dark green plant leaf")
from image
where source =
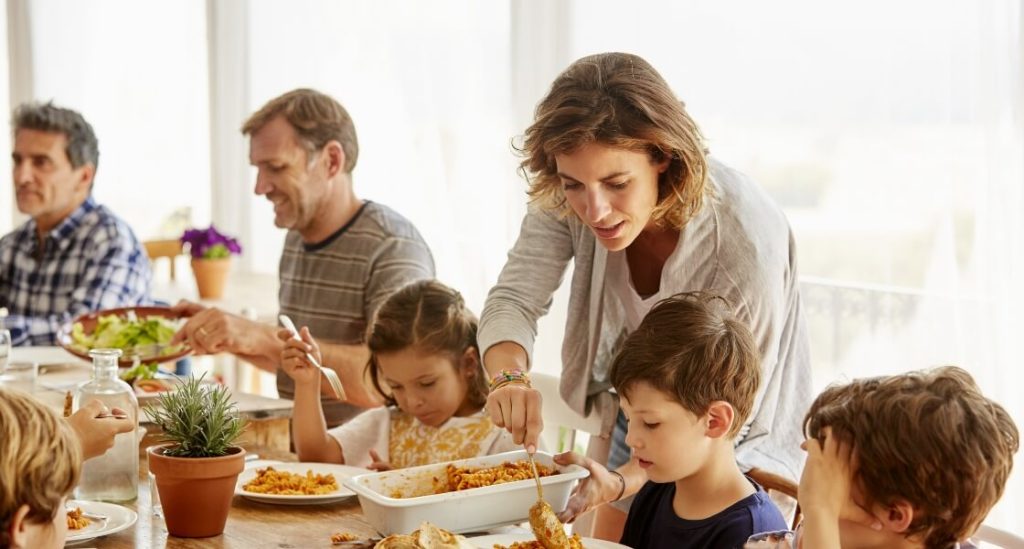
[(198, 419)]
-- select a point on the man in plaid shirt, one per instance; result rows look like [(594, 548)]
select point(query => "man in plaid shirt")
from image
[(73, 256)]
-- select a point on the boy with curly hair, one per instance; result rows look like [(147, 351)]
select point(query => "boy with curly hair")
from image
[(915, 460)]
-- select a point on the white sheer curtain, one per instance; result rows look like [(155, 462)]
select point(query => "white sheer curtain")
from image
[(891, 133), (137, 72), (428, 87)]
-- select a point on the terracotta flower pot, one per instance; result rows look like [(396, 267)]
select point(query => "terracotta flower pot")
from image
[(211, 275), (195, 492)]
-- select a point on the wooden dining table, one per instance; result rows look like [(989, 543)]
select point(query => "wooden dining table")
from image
[(267, 418), (250, 524)]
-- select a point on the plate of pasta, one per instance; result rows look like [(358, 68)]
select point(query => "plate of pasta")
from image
[(296, 483), (91, 519), (527, 541)]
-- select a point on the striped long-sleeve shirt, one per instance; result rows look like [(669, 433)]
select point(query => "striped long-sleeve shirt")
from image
[(88, 262), (335, 286)]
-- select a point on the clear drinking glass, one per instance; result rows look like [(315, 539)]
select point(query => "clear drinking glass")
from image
[(20, 375), (5, 348), (154, 494)]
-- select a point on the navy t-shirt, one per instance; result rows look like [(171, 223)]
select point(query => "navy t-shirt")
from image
[(653, 524)]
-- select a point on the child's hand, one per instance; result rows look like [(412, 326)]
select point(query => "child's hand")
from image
[(96, 427), (825, 485), (599, 488), (293, 357), (377, 464)]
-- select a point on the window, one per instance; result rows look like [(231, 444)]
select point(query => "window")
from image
[(890, 133), (137, 72), (427, 85)]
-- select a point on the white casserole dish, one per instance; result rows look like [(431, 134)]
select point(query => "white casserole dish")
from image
[(471, 510)]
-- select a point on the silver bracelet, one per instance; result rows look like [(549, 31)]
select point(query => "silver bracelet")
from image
[(622, 483)]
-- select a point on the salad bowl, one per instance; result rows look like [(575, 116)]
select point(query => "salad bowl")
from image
[(142, 333)]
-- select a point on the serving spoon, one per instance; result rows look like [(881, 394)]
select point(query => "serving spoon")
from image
[(545, 525)]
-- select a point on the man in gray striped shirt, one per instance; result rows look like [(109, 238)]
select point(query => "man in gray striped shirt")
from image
[(342, 256)]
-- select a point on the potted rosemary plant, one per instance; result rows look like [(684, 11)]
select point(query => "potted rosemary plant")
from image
[(196, 470)]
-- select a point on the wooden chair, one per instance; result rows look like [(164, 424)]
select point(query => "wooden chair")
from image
[(772, 482), (156, 249), (994, 537)]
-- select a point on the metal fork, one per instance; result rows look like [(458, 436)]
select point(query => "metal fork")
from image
[(331, 375), (91, 516)]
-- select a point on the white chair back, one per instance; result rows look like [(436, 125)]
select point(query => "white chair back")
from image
[(990, 536), (560, 421)]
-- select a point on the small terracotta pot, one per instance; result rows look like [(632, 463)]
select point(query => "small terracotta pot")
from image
[(195, 492), (211, 276)]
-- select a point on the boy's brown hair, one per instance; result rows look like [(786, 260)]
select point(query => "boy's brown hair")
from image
[(692, 348), (618, 100), (317, 119), (432, 318), (929, 438), (40, 460)]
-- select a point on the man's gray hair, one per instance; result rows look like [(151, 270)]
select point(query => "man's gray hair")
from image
[(82, 147)]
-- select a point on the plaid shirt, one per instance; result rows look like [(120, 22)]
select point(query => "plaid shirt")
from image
[(89, 262)]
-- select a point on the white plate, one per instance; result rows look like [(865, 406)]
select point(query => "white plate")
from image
[(118, 518), (44, 355), (340, 472), (145, 397), (487, 542)]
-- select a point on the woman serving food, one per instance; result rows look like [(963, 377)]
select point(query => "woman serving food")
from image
[(620, 184)]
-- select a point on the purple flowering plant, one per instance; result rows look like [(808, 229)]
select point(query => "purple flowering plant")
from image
[(210, 243)]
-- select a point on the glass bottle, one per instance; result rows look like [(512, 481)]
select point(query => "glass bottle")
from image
[(114, 476)]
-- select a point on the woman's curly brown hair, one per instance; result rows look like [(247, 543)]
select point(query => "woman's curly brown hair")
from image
[(929, 438), (618, 100)]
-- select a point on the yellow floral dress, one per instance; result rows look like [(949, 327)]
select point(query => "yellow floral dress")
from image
[(403, 441)]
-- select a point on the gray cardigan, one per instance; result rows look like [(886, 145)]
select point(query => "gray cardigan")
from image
[(739, 246)]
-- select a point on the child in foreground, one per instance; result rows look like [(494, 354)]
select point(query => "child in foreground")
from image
[(425, 363), (907, 461), (686, 380), (40, 461)]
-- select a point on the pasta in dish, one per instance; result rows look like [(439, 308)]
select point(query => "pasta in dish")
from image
[(462, 478), (574, 543), (76, 521), (282, 483)]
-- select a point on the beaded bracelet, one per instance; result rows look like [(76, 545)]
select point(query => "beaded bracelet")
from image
[(507, 377), (622, 483)]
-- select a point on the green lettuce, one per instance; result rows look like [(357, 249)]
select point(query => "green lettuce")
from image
[(115, 332)]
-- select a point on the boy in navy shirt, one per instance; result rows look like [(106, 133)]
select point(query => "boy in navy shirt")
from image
[(686, 380)]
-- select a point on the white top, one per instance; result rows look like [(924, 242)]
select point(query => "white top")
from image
[(738, 246), (626, 307), (621, 289), (403, 441)]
